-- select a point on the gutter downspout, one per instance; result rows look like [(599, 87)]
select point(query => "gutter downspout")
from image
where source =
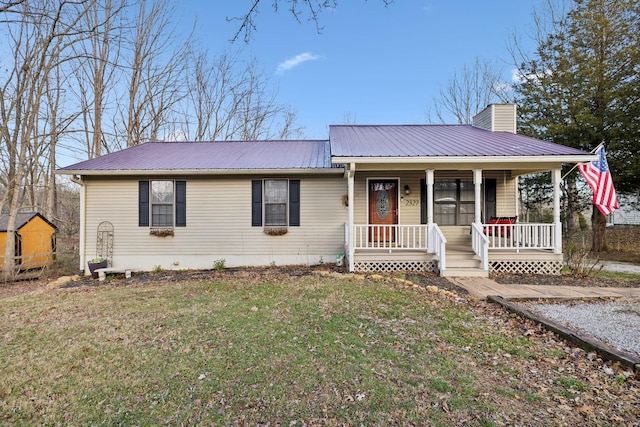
[(83, 212)]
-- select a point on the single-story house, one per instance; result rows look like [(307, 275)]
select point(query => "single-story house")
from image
[(628, 215), (35, 240), (397, 197)]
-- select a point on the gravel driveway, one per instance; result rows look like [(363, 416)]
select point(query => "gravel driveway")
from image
[(616, 322)]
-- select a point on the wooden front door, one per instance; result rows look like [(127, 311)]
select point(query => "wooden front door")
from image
[(383, 210)]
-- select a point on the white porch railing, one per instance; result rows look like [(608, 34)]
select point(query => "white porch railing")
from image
[(520, 236), (430, 239), (439, 245), (391, 237), (480, 244)]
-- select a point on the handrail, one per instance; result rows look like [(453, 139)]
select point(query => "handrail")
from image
[(480, 244), (439, 244)]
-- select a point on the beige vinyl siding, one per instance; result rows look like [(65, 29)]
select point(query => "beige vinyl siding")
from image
[(483, 119), (504, 118), (218, 224), (506, 192), (409, 209), (497, 118)]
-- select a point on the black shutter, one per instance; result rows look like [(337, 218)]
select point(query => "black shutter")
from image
[(143, 203), (181, 203), (294, 202), (423, 201), (256, 203), (490, 186)]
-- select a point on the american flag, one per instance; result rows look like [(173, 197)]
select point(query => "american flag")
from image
[(598, 177)]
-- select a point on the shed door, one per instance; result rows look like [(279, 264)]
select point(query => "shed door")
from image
[(383, 210)]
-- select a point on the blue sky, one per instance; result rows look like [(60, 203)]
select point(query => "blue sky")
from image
[(371, 63)]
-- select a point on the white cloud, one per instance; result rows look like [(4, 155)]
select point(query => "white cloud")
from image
[(295, 61)]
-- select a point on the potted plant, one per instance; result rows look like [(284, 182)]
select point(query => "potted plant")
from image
[(95, 264)]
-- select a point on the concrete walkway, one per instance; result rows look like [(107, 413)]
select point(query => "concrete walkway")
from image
[(482, 287)]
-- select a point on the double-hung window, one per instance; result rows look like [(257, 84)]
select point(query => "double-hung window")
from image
[(162, 203), (275, 203)]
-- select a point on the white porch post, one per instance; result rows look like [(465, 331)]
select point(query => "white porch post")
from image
[(556, 178), (351, 204), (477, 182), (518, 195), (429, 174), (429, 182)]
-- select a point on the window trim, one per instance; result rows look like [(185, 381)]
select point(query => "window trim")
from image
[(145, 205), (268, 222), (171, 205)]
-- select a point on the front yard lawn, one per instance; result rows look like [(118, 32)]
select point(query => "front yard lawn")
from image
[(271, 348)]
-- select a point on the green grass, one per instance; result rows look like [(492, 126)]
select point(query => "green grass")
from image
[(313, 349), (631, 277)]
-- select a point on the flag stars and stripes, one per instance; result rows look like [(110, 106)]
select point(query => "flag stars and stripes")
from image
[(598, 177)]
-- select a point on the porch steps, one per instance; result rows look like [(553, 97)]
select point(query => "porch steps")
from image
[(461, 261)]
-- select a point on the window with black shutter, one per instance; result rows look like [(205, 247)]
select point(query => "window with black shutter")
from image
[(162, 203), (275, 203)]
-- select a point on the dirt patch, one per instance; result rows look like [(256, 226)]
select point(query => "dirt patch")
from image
[(564, 280), (9, 289)]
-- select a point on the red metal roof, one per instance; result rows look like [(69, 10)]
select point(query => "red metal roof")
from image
[(192, 156), (436, 140)]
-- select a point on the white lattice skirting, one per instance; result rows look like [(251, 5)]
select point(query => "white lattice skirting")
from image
[(391, 266), (526, 267)]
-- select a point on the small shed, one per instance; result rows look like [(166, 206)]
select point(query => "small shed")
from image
[(35, 240)]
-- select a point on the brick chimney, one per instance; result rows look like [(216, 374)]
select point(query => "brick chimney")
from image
[(497, 118)]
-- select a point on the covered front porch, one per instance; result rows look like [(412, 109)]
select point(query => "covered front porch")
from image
[(445, 197), (469, 243)]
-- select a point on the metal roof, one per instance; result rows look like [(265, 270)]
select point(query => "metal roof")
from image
[(22, 218), (436, 141), (348, 143), (210, 156)]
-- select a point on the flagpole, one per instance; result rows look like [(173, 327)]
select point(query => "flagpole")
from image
[(576, 165)]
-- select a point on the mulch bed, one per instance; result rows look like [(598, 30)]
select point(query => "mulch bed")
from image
[(423, 279)]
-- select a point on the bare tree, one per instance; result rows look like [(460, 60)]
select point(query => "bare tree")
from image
[(299, 9), (155, 72), (10, 6), (96, 74), (44, 31), (212, 90), (229, 99), (469, 91)]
